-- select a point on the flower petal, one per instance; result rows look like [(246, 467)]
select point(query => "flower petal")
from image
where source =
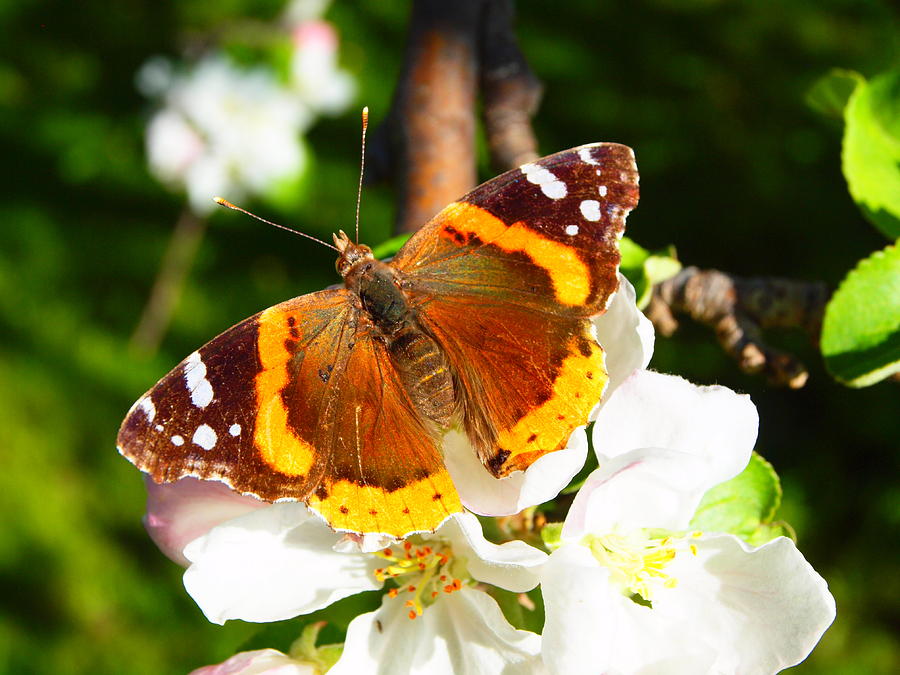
[(626, 335), (578, 629), (179, 512), (592, 628), (649, 488), (758, 610), (484, 494), (258, 662), (652, 410), (463, 633), (273, 564), (512, 565)]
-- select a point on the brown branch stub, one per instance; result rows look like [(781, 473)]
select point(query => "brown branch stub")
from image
[(177, 261), (511, 91), (738, 310)]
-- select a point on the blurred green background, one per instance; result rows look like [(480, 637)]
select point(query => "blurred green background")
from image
[(736, 171)]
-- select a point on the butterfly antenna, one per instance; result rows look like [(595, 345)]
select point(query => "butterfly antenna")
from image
[(229, 205), (362, 166)]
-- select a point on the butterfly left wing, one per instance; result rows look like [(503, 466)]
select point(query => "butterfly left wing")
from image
[(298, 402), (506, 280)]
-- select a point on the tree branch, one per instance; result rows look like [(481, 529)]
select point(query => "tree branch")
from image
[(510, 90), (176, 263), (739, 310), (429, 134)]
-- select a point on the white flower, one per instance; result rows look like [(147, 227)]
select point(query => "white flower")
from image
[(464, 633), (281, 561), (632, 590), (223, 130), (314, 71), (627, 340), (259, 662)]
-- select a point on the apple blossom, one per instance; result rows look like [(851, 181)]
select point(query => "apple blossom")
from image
[(258, 662), (631, 589), (282, 561)]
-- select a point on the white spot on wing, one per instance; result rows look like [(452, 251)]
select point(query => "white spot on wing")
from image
[(550, 185), (602, 190), (177, 440), (196, 382), (235, 430), (586, 157), (571, 230), (205, 437), (590, 209), (149, 409), (159, 427)]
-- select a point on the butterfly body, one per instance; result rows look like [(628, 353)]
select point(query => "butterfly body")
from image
[(418, 359), (338, 398)]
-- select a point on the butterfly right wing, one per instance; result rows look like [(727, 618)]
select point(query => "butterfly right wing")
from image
[(506, 281)]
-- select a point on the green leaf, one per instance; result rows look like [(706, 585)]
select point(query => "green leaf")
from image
[(744, 506), (861, 330), (644, 268), (871, 152), (390, 246), (830, 93), (522, 610), (551, 533)]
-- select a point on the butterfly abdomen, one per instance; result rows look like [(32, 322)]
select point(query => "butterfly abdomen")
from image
[(419, 361), (424, 372)]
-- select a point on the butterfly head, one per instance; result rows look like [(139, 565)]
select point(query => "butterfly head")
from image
[(350, 253)]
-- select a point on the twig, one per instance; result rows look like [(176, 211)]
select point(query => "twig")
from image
[(173, 270), (510, 90), (739, 310)]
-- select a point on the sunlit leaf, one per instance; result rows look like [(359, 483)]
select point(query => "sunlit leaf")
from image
[(830, 93), (644, 268), (861, 330), (744, 506), (871, 154)]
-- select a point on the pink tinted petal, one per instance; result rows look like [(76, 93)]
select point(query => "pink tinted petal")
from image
[(759, 610), (179, 512), (462, 633), (259, 662), (626, 336), (315, 34), (652, 410), (480, 492), (644, 488), (512, 565)]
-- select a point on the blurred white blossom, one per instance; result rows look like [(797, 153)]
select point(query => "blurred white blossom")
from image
[(315, 75), (224, 130), (227, 130)]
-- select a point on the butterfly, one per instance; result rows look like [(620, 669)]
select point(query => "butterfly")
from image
[(339, 398)]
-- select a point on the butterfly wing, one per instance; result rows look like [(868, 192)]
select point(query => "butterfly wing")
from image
[(298, 402), (506, 280)]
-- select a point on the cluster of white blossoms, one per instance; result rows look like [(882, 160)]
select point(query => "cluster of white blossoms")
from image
[(628, 586), (231, 130)]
